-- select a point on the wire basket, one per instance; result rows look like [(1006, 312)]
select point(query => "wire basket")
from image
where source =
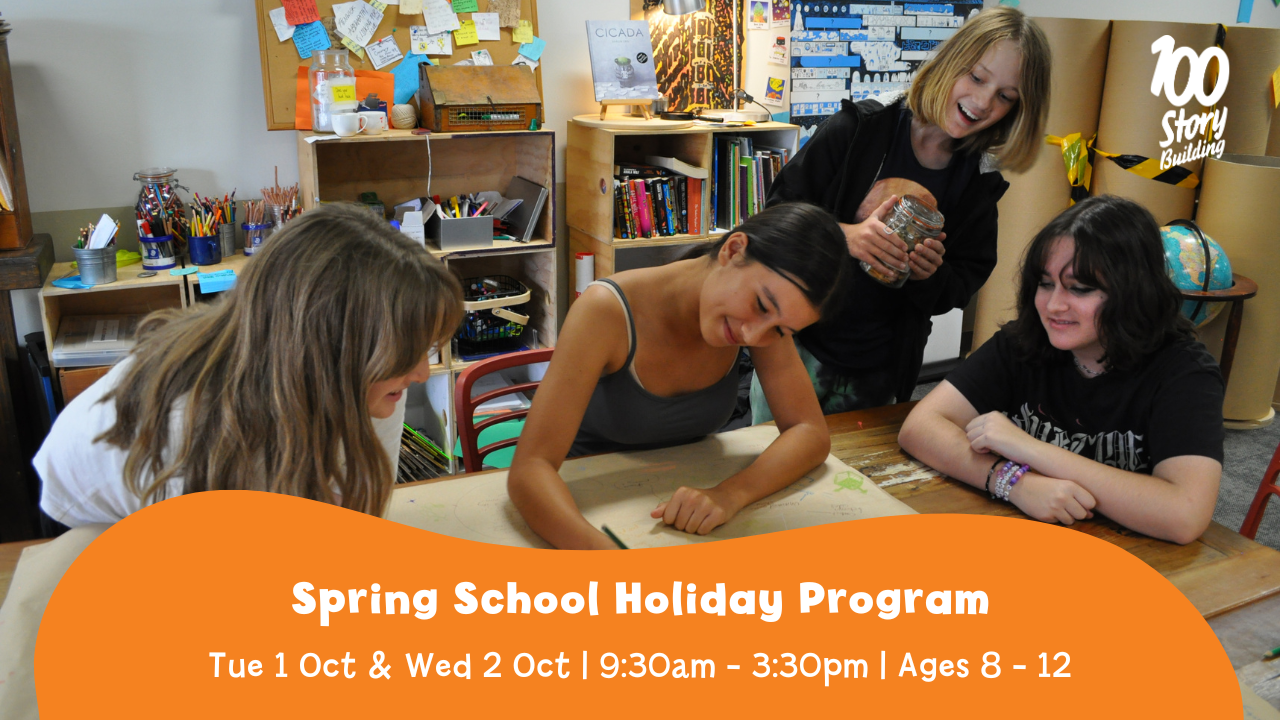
[(488, 327)]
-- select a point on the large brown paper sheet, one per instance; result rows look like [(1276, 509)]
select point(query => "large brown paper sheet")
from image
[(1130, 122), (1240, 208), (1079, 63), (1254, 53)]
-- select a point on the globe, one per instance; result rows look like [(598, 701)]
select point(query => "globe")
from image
[(1185, 261)]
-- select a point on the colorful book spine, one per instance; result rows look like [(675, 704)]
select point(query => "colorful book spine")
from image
[(695, 206)]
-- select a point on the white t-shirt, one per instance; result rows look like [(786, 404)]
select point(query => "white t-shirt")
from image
[(84, 480)]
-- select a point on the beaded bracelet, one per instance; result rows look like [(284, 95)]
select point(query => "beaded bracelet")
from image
[(1012, 479), (1002, 478)]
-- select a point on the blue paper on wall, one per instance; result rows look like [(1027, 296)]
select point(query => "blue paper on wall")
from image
[(406, 74), (216, 281), (533, 50), (310, 37)]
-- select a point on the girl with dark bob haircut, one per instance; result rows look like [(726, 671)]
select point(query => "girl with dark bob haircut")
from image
[(649, 358), (1097, 397)]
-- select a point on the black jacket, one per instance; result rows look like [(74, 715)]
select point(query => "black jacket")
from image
[(836, 169)]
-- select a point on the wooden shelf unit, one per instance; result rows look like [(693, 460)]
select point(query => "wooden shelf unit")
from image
[(590, 157), (399, 166)]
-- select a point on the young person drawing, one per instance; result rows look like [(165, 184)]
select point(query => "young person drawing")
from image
[(292, 383), (648, 358), (1096, 398), (987, 90)]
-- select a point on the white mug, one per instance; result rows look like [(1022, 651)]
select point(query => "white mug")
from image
[(348, 124), (377, 121)]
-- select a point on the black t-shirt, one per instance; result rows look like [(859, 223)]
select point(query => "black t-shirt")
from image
[(868, 311), (1132, 420)]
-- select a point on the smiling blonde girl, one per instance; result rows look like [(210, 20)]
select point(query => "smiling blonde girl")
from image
[(978, 106)]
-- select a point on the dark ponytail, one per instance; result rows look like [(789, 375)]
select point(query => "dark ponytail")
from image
[(801, 242)]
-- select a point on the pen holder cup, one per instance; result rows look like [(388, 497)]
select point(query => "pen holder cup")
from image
[(157, 253), (97, 266), (227, 237), (205, 249), (255, 236), (467, 233)]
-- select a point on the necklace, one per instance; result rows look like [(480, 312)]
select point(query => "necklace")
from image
[(1087, 371)]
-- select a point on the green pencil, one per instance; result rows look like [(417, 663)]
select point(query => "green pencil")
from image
[(1275, 652), (613, 537)]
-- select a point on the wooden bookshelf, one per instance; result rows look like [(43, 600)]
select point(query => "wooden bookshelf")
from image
[(590, 157)]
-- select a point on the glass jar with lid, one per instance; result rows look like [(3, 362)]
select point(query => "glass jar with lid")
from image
[(333, 87), (913, 220), (162, 221)]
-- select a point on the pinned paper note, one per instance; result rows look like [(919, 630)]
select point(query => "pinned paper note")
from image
[(487, 26), (466, 35), (410, 7), (508, 12), (759, 16), (522, 60), (533, 49), (351, 45), (418, 35), (300, 12), (439, 44), (481, 57), (310, 37), (781, 13), (284, 30), (384, 52), (523, 33), (440, 16), (378, 5), (465, 6), (406, 75), (331, 26), (778, 51), (357, 20)]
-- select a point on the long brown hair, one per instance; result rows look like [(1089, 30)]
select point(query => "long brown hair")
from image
[(265, 389), (1017, 138)]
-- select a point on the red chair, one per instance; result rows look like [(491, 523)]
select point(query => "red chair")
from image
[(465, 405), (1268, 488)]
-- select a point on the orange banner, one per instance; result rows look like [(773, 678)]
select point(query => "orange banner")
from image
[(239, 604)]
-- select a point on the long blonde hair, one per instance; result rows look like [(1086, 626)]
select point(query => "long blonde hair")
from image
[(1017, 138), (269, 384)]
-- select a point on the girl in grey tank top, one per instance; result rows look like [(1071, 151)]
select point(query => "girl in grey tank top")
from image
[(684, 325)]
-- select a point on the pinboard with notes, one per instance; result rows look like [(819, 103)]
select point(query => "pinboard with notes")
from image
[(281, 60)]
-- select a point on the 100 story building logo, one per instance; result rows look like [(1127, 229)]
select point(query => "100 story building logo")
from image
[(1200, 135)]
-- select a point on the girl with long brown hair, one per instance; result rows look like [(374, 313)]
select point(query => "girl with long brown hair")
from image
[(292, 383)]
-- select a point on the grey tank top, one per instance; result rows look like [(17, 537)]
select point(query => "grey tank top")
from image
[(622, 415)]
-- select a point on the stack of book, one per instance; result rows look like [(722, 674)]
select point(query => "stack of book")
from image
[(743, 174), (420, 459), (657, 200)]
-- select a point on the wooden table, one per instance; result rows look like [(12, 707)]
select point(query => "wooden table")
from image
[(1233, 581)]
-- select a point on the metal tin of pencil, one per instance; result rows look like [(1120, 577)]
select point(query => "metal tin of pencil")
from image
[(97, 266), (227, 235), (157, 252), (205, 249), (255, 236)]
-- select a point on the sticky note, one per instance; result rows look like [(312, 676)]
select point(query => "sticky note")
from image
[(350, 44), (284, 30), (309, 38), (410, 7), (216, 281), (406, 75), (533, 49), (440, 16), (343, 93), (384, 52), (465, 6), (523, 33), (487, 26), (301, 12), (466, 35), (379, 6)]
